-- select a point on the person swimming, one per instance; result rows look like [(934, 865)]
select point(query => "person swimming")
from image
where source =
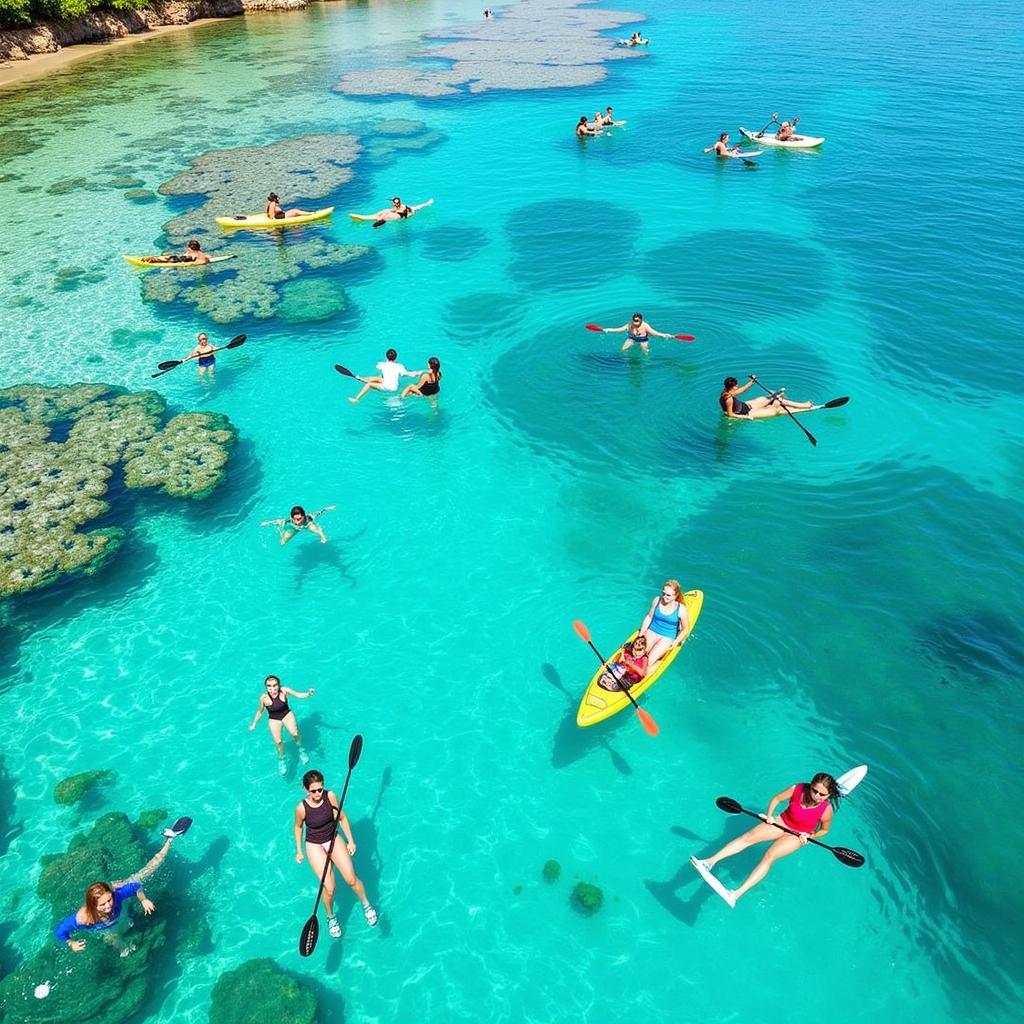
[(298, 519), (390, 370), (583, 127), (274, 700), (429, 383), (103, 902)]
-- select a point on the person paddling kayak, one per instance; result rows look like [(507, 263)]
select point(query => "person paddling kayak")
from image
[(808, 812), (787, 130), (630, 668), (639, 332), (759, 408), (275, 212)]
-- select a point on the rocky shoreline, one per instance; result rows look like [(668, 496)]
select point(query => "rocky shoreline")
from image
[(21, 44)]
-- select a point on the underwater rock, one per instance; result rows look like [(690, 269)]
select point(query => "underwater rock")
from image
[(259, 992), (537, 44), (140, 195), (552, 871), (310, 299), (148, 820), (187, 458), (74, 787), (586, 898), (97, 985), (51, 489)]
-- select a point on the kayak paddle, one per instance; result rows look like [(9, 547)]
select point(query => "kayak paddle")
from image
[(775, 118), (678, 337), (833, 404), (649, 724), (850, 858), (344, 370), (170, 364), (311, 929)]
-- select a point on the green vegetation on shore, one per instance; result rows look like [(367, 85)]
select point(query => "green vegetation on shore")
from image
[(14, 13)]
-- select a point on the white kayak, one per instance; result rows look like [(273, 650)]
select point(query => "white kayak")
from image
[(801, 142), (847, 783)]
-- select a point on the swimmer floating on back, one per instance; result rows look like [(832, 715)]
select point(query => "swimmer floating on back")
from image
[(100, 911), (397, 211), (299, 519), (275, 702)]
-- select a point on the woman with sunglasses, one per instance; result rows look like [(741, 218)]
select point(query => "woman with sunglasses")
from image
[(397, 211), (322, 816), (279, 717), (666, 625), (808, 812), (639, 332)]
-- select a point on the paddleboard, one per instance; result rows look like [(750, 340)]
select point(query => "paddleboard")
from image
[(804, 142), (715, 884), (138, 261), (598, 703), (362, 216), (744, 154), (849, 781), (261, 220)]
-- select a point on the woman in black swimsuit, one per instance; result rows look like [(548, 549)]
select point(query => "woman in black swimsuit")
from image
[(760, 408), (317, 813), (275, 703), (430, 383)]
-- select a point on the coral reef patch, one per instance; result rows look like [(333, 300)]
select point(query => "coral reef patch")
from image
[(74, 787), (260, 991)]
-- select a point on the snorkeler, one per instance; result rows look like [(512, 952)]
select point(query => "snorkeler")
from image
[(322, 816), (429, 383), (397, 211), (279, 715), (101, 908), (390, 371), (299, 519)]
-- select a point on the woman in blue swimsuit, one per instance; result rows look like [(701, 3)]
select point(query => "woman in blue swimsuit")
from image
[(204, 352), (639, 332), (666, 624)]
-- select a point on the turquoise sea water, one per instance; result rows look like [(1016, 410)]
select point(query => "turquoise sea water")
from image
[(860, 596)]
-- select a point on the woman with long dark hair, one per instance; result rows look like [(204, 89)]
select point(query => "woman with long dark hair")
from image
[(808, 813)]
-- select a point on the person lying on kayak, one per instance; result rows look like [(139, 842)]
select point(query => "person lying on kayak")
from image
[(607, 117), (397, 211), (786, 131), (274, 211), (639, 332), (299, 519), (809, 812), (630, 668), (429, 383), (637, 40), (193, 254), (760, 408), (101, 907), (583, 127), (390, 371), (666, 625), (722, 147)]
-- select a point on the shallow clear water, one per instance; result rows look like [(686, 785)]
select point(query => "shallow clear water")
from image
[(859, 595)]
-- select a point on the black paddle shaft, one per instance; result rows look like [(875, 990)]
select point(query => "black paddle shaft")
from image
[(849, 857), (775, 394), (612, 674)]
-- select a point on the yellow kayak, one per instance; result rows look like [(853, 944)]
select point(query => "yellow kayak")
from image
[(261, 220), (145, 264), (599, 703)]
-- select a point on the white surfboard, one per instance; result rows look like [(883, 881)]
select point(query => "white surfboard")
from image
[(849, 781), (705, 872)]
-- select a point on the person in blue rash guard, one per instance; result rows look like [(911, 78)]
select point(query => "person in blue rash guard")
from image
[(101, 910)]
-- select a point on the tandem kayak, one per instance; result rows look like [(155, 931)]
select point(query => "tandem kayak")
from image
[(804, 142), (261, 220), (141, 261), (598, 703)]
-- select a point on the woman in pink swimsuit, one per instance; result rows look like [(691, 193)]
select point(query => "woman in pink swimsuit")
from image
[(808, 812)]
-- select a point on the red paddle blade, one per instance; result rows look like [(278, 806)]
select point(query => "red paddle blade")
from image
[(684, 337), (581, 630), (649, 724), (593, 327)]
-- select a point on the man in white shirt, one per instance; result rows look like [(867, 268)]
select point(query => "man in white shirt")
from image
[(391, 371)]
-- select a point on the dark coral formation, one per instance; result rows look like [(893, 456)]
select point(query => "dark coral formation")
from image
[(260, 991), (58, 450), (586, 898), (74, 787), (552, 871)]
